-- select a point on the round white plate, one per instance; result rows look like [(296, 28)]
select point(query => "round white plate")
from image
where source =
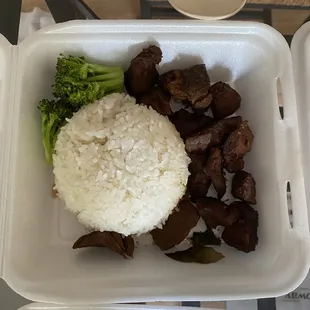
[(208, 9)]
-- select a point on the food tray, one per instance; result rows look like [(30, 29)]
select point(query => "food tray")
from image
[(36, 258)]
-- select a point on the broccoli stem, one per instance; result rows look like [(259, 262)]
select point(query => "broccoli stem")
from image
[(109, 84), (112, 84), (105, 77), (50, 129), (47, 141), (100, 69)]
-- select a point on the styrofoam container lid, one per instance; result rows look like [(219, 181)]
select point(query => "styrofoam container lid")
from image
[(36, 233), (37, 306), (301, 64)]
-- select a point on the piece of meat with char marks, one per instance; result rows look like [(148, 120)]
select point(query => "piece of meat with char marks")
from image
[(235, 166), (158, 100), (242, 235), (177, 227), (212, 136), (216, 213), (225, 100), (187, 123), (142, 74), (198, 183), (245, 212), (244, 187), (190, 84), (236, 146), (214, 171)]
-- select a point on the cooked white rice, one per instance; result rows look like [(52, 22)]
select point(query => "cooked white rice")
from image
[(120, 166)]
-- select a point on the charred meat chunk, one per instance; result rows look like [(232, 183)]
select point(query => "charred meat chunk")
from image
[(198, 162), (198, 186), (177, 227), (158, 100), (245, 212), (187, 123), (190, 84), (212, 136), (111, 240), (225, 100), (235, 166), (216, 213), (198, 183), (243, 187), (241, 236), (142, 74), (214, 171), (237, 145)]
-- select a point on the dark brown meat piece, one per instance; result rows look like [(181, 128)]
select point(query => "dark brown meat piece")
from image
[(198, 162), (245, 212), (198, 186), (198, 183), (235, 166), (177, 227), (237, 145), (187, 123), (142, 74), (243, 187), (216, 213), (214, 171), (110, 240), (190, 84), (225, 100), (212, 136), (158, 100), (243, 234)]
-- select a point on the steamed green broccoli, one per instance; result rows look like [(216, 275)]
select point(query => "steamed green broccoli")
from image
[(81, 83), (54, 114), (77, 83)]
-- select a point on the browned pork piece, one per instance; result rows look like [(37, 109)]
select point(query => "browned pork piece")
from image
[(142, 74), (225, 100), (158, 100), (214, 171), (198, 183), (212, 136), (242, 235), (216, 213), (244, 187), (187, 123), (236, 146), (190, 85)]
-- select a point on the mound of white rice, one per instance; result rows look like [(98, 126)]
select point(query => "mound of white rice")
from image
[(120, 166)]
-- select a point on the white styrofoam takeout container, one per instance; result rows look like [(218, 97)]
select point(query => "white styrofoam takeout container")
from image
[(36, 234), (301, 65)]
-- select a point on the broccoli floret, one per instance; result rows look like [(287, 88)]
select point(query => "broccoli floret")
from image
[(80, 82), (54, 114)]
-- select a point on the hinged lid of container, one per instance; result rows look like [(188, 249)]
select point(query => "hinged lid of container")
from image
[(301, 65), (5, 78), (41, 306)]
